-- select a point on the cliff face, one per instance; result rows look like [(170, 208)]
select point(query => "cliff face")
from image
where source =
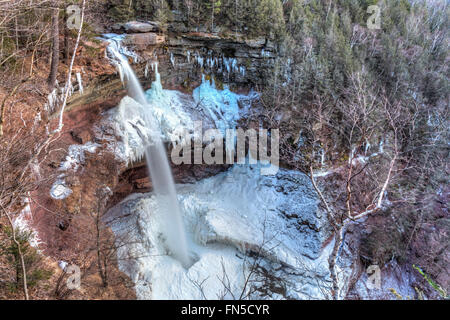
[(83, 146), (183, 58), (185, 55)]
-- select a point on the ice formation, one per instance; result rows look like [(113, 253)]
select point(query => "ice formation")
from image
[(56, 97), (59, 190), (227, 216), (175, 113), (80, 82), (76, 155), (221, 105), (213, 62)]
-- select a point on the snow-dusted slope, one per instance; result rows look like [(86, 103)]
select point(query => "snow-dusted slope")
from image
[(227, 217)]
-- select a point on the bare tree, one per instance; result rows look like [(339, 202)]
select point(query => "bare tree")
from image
[(16, 184), (371, 196)]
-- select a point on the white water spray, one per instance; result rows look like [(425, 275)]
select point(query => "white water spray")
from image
[(160, 172)]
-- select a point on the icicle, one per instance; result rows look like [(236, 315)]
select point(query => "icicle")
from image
[(146, 70), (367, 147), (322, 157), (172, 59), (242, 70), (226, 62), (80, 84)]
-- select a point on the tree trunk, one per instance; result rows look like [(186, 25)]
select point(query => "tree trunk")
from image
[(212, 15), (332, 264), (55, 49), (66, 42)]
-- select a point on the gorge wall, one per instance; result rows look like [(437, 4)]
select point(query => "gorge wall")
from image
[(95, 176)]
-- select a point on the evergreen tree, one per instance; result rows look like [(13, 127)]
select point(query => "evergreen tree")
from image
[(120, 10), (155, 10), (270, 18), (214, 7)]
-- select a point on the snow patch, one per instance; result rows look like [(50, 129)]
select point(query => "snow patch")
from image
[(59, 190), (22, 223), (75, 158)]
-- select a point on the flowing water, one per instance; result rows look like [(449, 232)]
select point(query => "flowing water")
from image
[(157, 162)]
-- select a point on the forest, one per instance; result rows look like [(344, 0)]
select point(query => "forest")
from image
[(358, 90)]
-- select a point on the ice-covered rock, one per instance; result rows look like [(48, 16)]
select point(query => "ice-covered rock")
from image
[(175, 113), (232, 219)]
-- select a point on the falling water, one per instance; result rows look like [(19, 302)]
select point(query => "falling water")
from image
[(160, 173)]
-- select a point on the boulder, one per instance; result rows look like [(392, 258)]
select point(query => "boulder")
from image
[(141, 27), (143, 39), (256, 43)]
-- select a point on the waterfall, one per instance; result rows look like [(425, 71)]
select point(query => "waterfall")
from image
[(157, 162)]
